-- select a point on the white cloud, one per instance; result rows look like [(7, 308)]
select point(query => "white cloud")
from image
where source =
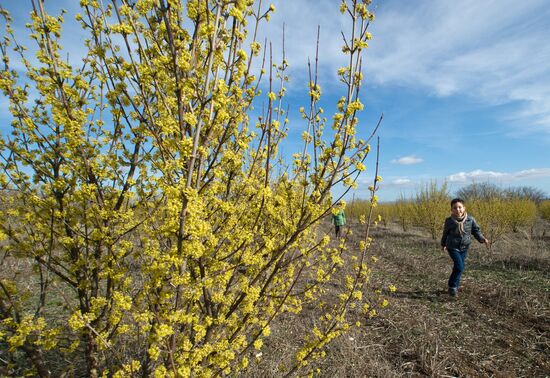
[(301, 19), (408, 160), (395, 183), (474, 175), (534, 172), (401, 181), (480, 175), (493, 51)]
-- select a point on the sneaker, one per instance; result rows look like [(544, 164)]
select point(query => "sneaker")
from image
[(453, 291)]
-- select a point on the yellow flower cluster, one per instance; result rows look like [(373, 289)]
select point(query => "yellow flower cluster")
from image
[(145, 202)]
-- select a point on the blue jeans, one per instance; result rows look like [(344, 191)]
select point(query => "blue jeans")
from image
[(459, 257)]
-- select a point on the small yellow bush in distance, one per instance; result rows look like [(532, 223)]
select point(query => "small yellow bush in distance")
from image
[(544, 210)]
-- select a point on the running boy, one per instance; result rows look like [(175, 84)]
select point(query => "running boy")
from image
[(457, 237)]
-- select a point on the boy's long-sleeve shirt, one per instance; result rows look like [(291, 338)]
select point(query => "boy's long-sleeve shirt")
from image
[(452, 237)]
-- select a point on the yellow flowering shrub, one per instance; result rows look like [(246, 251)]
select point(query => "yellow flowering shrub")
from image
[(145, 208), (544, 210), (431, 207)]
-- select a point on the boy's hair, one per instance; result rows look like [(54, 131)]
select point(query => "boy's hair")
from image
[(456, 200)]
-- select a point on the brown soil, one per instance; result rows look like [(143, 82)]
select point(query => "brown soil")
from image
[(499, 326)]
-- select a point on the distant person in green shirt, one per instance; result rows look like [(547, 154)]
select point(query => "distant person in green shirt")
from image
[(338, 218)]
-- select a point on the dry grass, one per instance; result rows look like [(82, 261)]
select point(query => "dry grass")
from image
[(498, 327)]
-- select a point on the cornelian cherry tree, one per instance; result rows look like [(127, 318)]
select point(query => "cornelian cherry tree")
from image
[(144, 228)]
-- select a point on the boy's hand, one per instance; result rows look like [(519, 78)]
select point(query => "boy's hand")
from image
[(444, 248)]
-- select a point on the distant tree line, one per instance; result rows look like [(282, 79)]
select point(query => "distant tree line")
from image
[(497, 210), (486, 191)]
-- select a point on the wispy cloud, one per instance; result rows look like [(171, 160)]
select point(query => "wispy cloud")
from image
[(462, 178), (493, 51), (408, 160), (300, 20), (480, 175), (401, 182)]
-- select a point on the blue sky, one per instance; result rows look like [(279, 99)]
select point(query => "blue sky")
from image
[(464, 86)]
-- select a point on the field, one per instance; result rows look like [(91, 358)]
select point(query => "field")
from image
[(499, 326)]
